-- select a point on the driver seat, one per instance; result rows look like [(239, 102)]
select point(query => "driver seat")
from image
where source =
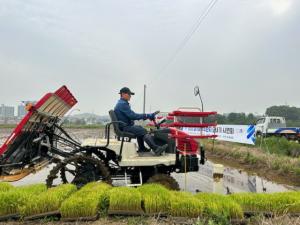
[(120, 134)]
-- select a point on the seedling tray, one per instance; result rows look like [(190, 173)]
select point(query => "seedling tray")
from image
[(125, 213), (10, 217), (43, 215), (83, 219)]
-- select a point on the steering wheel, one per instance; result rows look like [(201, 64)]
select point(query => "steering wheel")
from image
[(154, 120), (156, 112)]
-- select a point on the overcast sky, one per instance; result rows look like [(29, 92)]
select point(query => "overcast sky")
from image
[(244, 56)]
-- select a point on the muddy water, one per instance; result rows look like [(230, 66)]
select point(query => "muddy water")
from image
[(226, 180), (210, 178)]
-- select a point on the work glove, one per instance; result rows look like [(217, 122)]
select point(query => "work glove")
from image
[(151, 116)]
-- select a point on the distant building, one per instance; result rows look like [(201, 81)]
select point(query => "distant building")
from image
[(21, 111), (7, 111), (21, 108)]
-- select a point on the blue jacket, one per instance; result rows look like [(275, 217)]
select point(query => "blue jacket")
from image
[(125, 114)]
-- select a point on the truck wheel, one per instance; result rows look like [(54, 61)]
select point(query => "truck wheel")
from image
[(258, 135), (165, 180)]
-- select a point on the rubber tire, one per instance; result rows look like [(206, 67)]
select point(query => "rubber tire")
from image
[(165, 180)]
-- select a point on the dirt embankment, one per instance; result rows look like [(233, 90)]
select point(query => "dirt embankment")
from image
[(105, 221), (281, 169), (286, 220)]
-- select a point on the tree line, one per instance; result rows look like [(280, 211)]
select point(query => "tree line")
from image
[(291, 114)]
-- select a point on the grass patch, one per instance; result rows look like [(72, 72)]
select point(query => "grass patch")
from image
[(14, 199), (4, 186), (87, 202), (48, 201), (279, 146), (125, 199), (184, 204), (155, 198)]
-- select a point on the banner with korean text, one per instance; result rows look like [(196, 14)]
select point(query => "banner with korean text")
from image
[(234, 133)]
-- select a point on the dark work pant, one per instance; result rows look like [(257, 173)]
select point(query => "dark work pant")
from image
[(139, 132), (141, 136)]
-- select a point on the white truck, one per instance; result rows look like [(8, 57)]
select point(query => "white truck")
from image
[(276, 126)]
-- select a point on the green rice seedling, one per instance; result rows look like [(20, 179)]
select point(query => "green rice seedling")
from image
[(184, 204), (251, 202), (278, 203), (12, 200), (216, 205), (97, 188), (47, 201), (33, 189), (87, 202), (155, 198), (287, 202), (80, 207), (294, 207), (4, 186), (92, 185), (125, 199)]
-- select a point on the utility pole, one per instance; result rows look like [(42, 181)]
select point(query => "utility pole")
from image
[(144, 104)]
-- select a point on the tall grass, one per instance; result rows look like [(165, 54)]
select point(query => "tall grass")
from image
[(184, 204), (155, 198), (125, 199), (87, 202), (47, 201), (14, 199)]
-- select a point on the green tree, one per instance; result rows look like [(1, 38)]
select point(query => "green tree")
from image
[(290, 113)]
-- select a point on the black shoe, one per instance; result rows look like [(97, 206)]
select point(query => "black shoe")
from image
[(161, 149)]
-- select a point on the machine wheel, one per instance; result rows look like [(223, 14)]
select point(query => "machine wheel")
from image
[(135, 179), (79, 170), (165, 180)]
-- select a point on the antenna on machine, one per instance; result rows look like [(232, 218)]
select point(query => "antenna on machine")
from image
[(197, 92)]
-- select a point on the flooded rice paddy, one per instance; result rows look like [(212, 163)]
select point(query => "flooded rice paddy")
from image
[(210, 178)]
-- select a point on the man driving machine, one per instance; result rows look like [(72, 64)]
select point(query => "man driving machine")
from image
[(127, 117)]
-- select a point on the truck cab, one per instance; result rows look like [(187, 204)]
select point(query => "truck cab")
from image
[(268, 124), (276, 126)]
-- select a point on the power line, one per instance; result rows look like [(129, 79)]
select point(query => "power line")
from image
[(210, 6)]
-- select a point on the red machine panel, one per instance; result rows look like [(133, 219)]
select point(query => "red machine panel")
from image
[(51, 105)]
